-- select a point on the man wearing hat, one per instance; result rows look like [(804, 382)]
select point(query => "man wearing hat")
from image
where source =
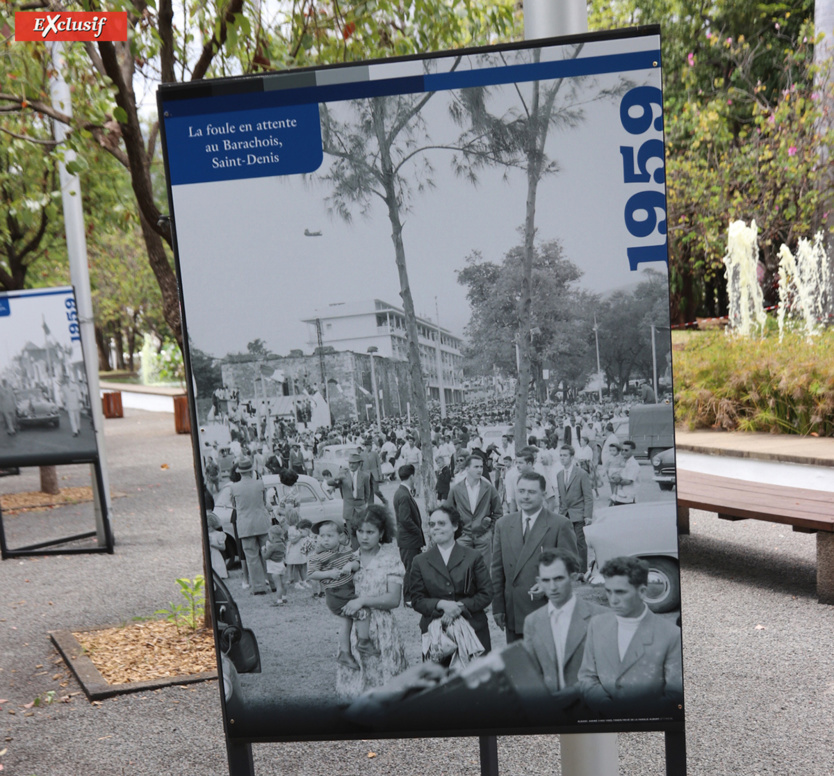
[(252, 523), (355, 487)]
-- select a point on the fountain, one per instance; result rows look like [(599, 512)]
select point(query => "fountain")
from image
[(747, 315), (804, 285)]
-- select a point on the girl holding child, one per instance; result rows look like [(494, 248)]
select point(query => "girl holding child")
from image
[(378, 584)]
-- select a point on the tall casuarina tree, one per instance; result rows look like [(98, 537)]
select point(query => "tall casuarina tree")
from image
[(379, 154)]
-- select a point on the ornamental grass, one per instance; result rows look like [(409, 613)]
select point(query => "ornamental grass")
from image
[(741, 384)]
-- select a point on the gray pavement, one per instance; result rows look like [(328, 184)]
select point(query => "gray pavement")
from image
[(758, 649)]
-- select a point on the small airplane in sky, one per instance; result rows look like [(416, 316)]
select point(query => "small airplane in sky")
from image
[(308, 233)]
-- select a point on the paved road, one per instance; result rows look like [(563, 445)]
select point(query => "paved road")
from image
[(759, 650), (34, 441)]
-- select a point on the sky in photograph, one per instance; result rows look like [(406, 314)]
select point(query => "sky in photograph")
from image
[(249, 270), (28, 313)]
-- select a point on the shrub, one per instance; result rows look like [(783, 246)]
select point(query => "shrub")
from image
[(735, 383)]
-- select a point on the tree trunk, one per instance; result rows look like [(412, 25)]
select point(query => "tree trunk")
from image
[(417, 390), (166, 278), (120, 349), (525, 313), (103, 350), (131, 345), (49, 480)]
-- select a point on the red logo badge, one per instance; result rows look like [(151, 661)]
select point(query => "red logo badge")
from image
[(48, 26)]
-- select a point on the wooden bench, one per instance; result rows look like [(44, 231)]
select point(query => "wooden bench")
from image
[(806, 511)]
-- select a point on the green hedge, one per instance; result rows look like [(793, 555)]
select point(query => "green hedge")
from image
[(734, 383)]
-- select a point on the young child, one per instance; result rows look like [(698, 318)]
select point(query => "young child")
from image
[(309, 547), (334, 567), (274, 552), (298, 531)]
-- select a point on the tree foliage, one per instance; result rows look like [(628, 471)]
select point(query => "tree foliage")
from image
[(625, 322), (109, 81), (744, 133), (560, 315), (29, 222)]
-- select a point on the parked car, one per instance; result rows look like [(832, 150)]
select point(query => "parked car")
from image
[(34, 409), (314, 502), (648, 531), (652, 428), (664, 469), (333, 458)]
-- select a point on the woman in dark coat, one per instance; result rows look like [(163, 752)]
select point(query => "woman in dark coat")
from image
[(449, 580)]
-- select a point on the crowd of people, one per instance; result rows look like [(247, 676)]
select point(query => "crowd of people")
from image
[(507, 537)]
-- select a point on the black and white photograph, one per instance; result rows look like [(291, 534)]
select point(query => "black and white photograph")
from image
[(431, 372), (44, 400)]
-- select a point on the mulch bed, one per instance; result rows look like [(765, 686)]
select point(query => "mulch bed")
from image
[(12, 503), (154, 649)]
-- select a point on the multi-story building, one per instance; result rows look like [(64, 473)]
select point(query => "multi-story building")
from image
[(358, 326)]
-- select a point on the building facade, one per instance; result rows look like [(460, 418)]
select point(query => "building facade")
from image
[(360, 325), (287, 383)]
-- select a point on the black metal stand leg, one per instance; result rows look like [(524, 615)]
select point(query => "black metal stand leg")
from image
[(489, 756), (3, 553), (675, 753), (240, 759)]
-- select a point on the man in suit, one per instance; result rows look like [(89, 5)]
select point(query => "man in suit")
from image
[(372, 464), (410, 538), (519, 539), (632, 660), (576, 499), (251, 524), (355, 487), (476, 499), (555, 634)]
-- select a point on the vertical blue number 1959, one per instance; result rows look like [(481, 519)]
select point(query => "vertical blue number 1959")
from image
[(641, 210)]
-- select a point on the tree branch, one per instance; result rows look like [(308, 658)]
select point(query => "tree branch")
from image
[(94, 57), (49, 143), (152, 141), (215, 44), (134, 143)]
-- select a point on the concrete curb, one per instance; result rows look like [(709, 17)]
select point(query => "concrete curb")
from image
[(784, 448)]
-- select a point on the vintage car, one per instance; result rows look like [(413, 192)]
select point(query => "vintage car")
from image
[(643, 530), (332, 459), (664, 469), (314, 503), (491, 435), (34, 409)]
